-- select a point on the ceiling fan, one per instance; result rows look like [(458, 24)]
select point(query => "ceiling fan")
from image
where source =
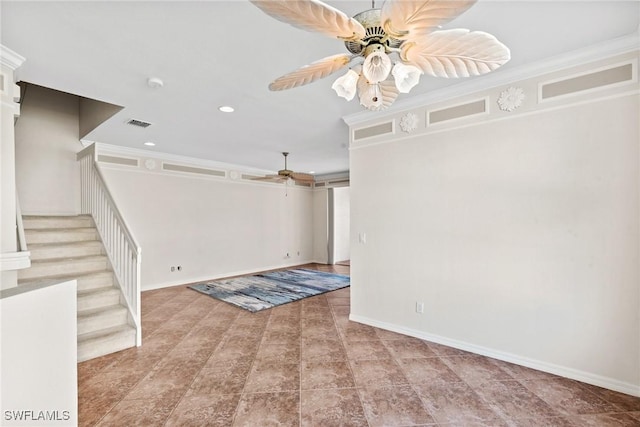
[(405, 29), (286, 174)]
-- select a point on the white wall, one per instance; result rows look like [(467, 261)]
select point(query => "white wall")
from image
[(320, 226), (211, 227), (341, 224), (520, 234), (39, 355), (47, 173)]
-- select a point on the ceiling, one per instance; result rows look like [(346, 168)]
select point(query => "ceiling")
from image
[(213, 53)]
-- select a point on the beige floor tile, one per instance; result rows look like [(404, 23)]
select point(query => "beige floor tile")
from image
[(273, 377), (569, 397), (394, 406), (325, 375), (204, 411), (329, 408), (268, 409), (455, 403), (381, 372)]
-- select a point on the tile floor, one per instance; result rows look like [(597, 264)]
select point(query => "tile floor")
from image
[(206, 363)]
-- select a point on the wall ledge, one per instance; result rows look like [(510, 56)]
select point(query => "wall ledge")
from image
[(15, 260)]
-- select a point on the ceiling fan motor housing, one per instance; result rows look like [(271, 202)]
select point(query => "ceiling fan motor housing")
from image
[(285, 172), (375, 34)]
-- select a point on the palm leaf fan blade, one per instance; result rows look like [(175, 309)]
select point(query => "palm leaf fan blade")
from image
[(456, 53), (313, 15), (408, 19), (312, 72), (302, 177)]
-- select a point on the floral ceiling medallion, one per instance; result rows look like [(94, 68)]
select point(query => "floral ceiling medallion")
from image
[(511, 98), (409, 122), (150, 164)]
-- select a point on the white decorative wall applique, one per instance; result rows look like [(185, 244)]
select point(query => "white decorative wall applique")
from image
[(409, 122), (150, 164), (511, 98)]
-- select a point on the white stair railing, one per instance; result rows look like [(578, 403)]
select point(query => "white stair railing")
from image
[(122, 249)]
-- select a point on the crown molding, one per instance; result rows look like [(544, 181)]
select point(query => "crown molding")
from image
[(105, 148), (332, 176), (501, 77), (9, 58)]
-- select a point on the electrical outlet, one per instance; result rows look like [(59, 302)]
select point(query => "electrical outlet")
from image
[(419, 307), (179, 268), (173, 269)]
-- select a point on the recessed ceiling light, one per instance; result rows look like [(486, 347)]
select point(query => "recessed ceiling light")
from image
[(150, 144), (155, 82), (226, 109), (312, 171)]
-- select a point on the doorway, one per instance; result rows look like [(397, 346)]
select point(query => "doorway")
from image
[(339, 225)]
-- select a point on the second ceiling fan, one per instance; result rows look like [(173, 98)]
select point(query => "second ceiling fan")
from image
[(287, 174)]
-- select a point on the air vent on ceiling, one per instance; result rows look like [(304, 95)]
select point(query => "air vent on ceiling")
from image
[(139, 123)]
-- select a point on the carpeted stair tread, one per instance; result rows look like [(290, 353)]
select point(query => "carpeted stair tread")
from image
[(48, 251), (64, 244), (59, 230), (32, 222), (97, 291), (98, 297), (64, 277), (102, 333), (105, 341), (115, 308), (80, 258)]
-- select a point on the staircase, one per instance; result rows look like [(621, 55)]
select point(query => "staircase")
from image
[(69, 247)]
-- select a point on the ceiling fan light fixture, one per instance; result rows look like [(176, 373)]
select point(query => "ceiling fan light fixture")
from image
[(346, 85), (408, 30), (406, 76), (376, 67), (370, 95)]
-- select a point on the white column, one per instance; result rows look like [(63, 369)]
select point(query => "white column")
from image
[(11, 259)]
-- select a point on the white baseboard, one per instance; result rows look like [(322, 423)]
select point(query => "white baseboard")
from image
[(563, 371)]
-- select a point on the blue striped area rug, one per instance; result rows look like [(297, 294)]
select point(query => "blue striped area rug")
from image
[(266, 290)]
